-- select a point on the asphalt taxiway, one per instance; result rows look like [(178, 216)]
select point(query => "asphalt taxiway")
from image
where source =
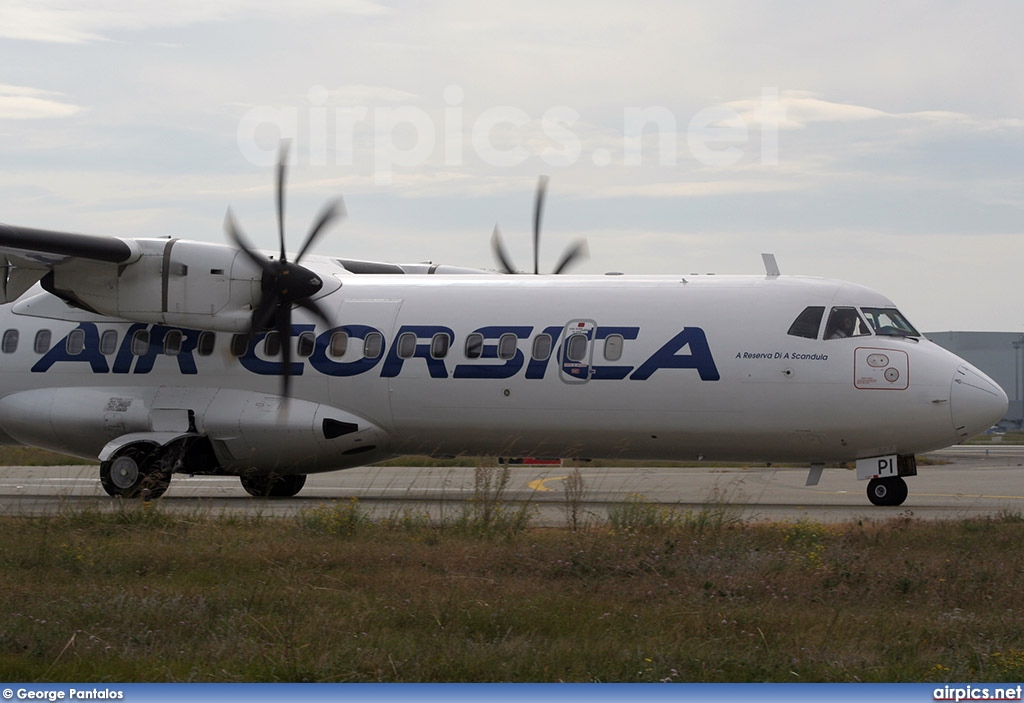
[(952, 483)]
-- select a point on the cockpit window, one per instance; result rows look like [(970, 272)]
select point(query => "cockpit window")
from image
[(845, 322), (808, 322), (889, 322)]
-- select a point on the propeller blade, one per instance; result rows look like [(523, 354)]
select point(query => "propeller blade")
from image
[(538, 209), (499, 252), (333, 210), (234, 233), (284, 330), (263, 315), (284, 284), (281, 170), (315, 308), (577, 250)]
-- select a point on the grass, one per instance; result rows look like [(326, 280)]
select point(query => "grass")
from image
[(139, 594), (644, 593), (1012, 437)]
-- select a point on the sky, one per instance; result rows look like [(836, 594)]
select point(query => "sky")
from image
[(876, 142)]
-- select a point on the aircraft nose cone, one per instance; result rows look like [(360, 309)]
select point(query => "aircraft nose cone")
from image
[(977, 402)]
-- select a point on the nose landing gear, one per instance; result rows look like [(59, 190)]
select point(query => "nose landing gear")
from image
[(891, 490)]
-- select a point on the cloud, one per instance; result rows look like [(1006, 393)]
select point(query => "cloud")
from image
[(73, 22), (368, 95), (797, 109), (22, 103), (683, 189)]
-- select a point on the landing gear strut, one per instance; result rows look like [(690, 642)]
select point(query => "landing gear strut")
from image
[(135, 472), (891, 490)]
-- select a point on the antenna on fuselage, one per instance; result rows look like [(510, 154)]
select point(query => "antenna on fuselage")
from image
[(771, 267)]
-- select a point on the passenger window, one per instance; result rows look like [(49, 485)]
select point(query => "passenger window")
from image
[(373, 345), (207, 340), (172, 342), (808, 322), (542, 347), (613, 347), (239, 344), (507, 344), (339, 344), (108, 342), (439, 345), (406, 345), (474, 346), (576, 347), (10, 342), (307, 342), (845, 322), (42, 342), (140, 343), (75, 342), (272, 344)]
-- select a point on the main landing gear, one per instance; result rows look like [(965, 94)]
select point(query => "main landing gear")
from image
[(891, 490), (136, 472), (273, 486), (143, 470)]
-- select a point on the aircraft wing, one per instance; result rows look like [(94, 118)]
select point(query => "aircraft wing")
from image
[(27, 255), (160, 280), (40, 248)]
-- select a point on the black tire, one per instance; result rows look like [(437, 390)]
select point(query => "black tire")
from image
[(887, 491), (134, 472), (273, 486)]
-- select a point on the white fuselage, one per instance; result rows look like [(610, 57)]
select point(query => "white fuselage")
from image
[(668, 368)]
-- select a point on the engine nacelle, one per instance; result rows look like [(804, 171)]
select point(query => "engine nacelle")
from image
[(203, 286), (173, 282)]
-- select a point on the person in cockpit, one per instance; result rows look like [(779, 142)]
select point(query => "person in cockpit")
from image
[(841, 324)]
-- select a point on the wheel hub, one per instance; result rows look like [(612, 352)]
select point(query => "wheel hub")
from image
[(124, 472)]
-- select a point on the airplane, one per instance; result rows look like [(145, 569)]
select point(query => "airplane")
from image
[(159, 356)]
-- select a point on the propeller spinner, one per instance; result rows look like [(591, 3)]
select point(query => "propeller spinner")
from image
[(575, 251), (285, 284)]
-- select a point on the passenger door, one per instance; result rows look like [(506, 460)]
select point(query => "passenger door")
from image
[(576, 351)]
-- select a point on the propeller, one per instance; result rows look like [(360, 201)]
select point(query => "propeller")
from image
[(575, 251), (285, 284)]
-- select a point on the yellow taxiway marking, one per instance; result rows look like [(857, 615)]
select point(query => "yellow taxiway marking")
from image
[(540, 484)]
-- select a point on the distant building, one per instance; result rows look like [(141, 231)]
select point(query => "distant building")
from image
[(998, 354)]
